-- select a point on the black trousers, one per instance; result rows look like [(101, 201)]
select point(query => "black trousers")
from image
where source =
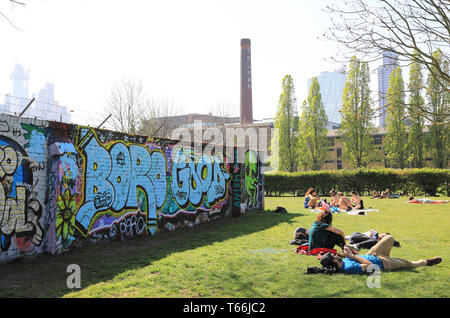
[(363, 241), (366, 244), (332, 240)]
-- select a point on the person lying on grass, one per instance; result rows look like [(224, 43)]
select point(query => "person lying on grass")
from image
[(367, 239), (426, 200), (357, 240), (378, 255), (323, 235)]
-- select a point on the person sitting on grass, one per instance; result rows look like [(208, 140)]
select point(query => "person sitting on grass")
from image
[(378, 255), (375, 194), (356, 201), (334, 200), (425, 200), (323, 235), (312, 200), (344, 202), (386, 194)]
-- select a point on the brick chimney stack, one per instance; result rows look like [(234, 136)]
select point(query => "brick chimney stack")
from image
[(246, 83)]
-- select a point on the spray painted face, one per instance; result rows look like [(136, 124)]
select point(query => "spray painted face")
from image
[(251, 178)]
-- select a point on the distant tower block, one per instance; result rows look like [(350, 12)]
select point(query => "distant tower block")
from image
[(246, 83)]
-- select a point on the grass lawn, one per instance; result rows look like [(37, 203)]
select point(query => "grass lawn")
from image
[(249, 256)]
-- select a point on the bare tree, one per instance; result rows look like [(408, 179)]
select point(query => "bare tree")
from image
[(126, 104), (411, 29), (158, 119), (13, 4), (221, 114), (223, 111), (398, 26)]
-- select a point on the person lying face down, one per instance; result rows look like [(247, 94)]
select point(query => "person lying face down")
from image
[(426, 200), (379, 255), (367, 239)]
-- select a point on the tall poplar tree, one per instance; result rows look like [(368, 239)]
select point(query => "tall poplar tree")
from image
[(312, 131), (396, 138), (356, 125), (286, 125), (438, 102), (416, 116)]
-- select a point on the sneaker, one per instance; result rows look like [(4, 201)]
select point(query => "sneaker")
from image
[(434, 261)]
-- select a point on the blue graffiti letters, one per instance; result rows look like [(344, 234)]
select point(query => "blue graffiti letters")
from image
[(113, 177), (196, 175)]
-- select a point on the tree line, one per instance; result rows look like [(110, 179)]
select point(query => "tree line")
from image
[(301, 141)]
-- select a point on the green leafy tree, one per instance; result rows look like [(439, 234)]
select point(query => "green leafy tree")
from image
[(438, 100), (286, 125), (356, 112), (312, 130), (416, 116), (396, 138)]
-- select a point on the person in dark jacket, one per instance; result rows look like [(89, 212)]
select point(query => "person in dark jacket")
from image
[(367, 240)]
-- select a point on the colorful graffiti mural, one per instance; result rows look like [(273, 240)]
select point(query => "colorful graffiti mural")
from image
[(119, 178), (22, 176), (253, 180), (62, 185)]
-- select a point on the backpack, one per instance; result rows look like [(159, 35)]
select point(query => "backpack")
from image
[(280, 209)]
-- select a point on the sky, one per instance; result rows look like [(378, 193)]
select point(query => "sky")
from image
[(185, 52)]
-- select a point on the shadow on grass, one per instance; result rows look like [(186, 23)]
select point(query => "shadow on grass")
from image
[(364, 285), (46, 275)]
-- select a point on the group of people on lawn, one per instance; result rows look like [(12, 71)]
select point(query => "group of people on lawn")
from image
[(339, 201), (323, 235)]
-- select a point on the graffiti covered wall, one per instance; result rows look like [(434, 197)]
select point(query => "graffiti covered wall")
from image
[(23, 176), (63, 185)]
